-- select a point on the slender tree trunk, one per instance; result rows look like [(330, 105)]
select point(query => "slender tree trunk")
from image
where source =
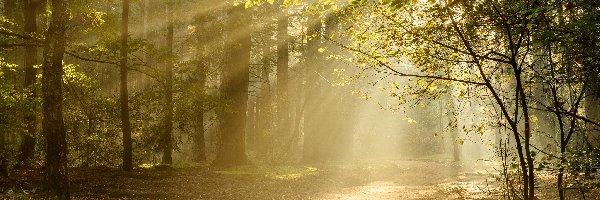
[(199, 140), (234, 89), (52, 123), (30, 59), (559, 119), (124, 94), (296, 135), (559, 182), (454, 130), (265, 138), (283, 113), (256, 127), (312, 132), (527, 137), (146, 11), (168, 125), (145, 21)]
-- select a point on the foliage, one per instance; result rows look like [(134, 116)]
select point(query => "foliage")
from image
[(496, 54), (12, 100), (91, 121)]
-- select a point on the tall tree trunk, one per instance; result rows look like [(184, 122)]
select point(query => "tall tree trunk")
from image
[(202, 73), (199, 145), (234, 89), (283, 113), (145, 21), (52, 123), (265, 134), (312, 124), (124, 94), (526, 137), (30, 59), (146, 34), (199, 140), (168, 124)]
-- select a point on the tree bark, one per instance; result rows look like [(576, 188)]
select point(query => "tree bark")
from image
[(30, 59), (199, 140), (265, 134), (124, 93), (283, 113), (202, 73), (527, 135), (234, 90), (167, 138), (312, 151), (52, 123)]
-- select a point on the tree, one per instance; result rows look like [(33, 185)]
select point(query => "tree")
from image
[(283, 113), (167, 137), (264, 136), (203, 38), (199, 140), (312, 150), (57, 175), (234, 89), (124, 93), (30, 8)]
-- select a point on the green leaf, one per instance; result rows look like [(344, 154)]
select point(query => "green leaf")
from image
[(357, 2), (395, 4)]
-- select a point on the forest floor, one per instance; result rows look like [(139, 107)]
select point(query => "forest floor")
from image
[(405, 179)]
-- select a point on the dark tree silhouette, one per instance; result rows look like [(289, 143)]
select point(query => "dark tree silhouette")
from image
[(52, 123)]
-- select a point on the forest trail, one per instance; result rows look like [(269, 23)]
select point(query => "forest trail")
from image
[(382, 180), (412, 180), (404, 179)]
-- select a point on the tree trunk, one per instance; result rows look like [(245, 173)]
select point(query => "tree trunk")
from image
[(124, 94), (167, 138), (234, 90), (283, 113), (146, 34), (527, 138), (265, 139), (312, 124), (202, 71), (52, 123), (199, 140), (30, 59)]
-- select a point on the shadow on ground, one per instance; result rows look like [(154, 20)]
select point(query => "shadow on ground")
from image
[(405, 179)]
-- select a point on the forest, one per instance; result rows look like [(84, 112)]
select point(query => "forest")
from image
[(300, 99)]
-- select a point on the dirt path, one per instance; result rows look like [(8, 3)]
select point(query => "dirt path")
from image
[(419, 180), (389, 180)]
